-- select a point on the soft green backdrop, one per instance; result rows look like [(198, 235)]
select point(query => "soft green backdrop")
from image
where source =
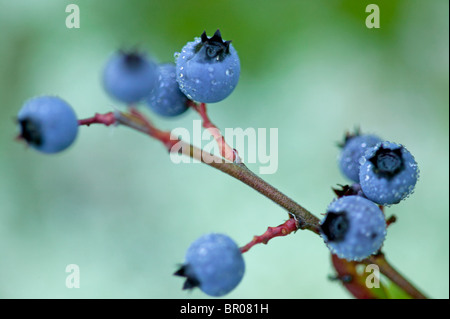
[(114, 203)]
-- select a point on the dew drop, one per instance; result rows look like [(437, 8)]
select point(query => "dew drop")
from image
[(229, 72)]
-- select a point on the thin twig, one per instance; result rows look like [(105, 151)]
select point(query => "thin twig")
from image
[(390, 272)]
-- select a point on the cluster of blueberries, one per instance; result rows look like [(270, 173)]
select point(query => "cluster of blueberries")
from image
[(353, 228), (207, 70), (384, 173)]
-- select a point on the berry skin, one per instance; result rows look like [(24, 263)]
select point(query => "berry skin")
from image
[(353, 149), (213, 263), (129, 76), (208, 69), (48, 124), (167, 99), (388, 173), (353, 228)]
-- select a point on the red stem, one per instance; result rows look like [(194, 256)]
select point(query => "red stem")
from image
[(226, 151), (106, 119), (284, 229)]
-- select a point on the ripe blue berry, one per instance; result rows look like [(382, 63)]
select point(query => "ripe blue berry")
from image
[(213, 263), (48, 124), (388, 173), (353, 149), (353, 228), (167, 99), (129, 76), (208, 69)]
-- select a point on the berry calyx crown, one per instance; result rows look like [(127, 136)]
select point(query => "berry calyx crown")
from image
[(335, 226), (30, 132), (387, 162), (132, 59), (215, 47)]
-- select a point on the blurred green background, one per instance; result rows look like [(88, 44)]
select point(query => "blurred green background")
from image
[(114, 203)]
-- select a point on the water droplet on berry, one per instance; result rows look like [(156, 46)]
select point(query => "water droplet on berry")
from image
[(213, 82), (176, 55), (210, 69), (229, 72)]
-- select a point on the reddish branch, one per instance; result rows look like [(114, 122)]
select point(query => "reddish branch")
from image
[(354, 282), (106, 119), (226, 151), (284, 229), (133, 119), (391, 273), (163, 136), (392, 219)]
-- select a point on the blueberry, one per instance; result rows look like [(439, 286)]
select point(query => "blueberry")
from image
[(353, 149), (48, 124), (167, 99), (353, 228), (208, 69), (388, 173), (129, 76), (213, 263)]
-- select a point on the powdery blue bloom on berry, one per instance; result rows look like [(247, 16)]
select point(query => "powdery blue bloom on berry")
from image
[(214, 263), (208, 69), (352, 151), (167, 99), (48, 124), (129, 77), (388, 173), (353, 228)]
